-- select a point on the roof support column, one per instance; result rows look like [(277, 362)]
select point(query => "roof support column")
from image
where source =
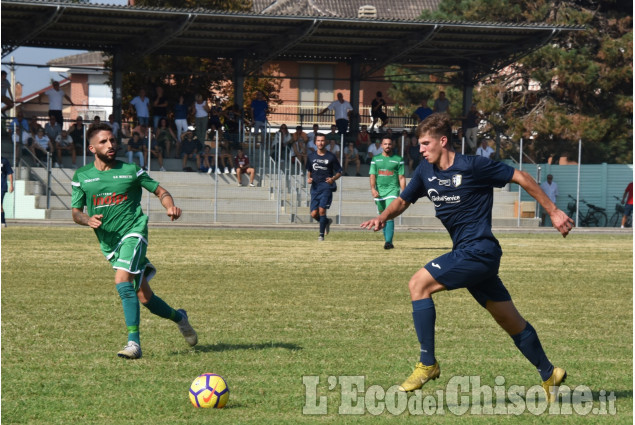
[(355, 80), (239, 80), (117, 84), (468, 88)]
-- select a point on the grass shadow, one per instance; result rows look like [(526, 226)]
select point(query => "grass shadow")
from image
[(221, 346)]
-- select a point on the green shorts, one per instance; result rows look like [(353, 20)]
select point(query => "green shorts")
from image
[(130, 255), (385, 199)]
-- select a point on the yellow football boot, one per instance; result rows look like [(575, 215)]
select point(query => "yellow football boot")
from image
[(551, 385), (420, 376)]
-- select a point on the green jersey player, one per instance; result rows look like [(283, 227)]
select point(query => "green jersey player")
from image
[(387, 180), (111, 190)]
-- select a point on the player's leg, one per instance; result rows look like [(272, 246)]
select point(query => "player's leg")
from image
[(124, 283), (325, 199)]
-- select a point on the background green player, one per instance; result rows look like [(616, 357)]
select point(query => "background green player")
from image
[(111, 192), (387, 180)]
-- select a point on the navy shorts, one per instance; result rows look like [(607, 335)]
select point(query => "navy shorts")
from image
[(628, 209), (475, 270), (321, 196)]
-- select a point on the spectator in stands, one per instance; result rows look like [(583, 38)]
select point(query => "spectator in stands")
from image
[(333, 135), (41, 145), (159, 107), (241, 164), (156, 151), (205, 160), (7, 96), (413, 154), (64, 143), (141, 105), (180, 118), (190, 147), (214, 124), (342, 110), (351, 155), (165, 137), (441, 104), (363, 142), (20, 130), (76, 131), (96, 121), (298, 145), (282, 140), (470, 126), (310, 144), (378, 111), (34, 126), (485, 150), (56, 97), (52, 129), (137, 147), (225, 159), (375, 149), (233, 116), (423, 111), (115, 126), (259, 109), (333, 147), (7, 183)]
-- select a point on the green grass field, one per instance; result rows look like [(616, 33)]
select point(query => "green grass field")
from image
[(273, 306)]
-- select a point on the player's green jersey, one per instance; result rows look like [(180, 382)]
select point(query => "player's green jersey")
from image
[(115, 193), (387, 169)]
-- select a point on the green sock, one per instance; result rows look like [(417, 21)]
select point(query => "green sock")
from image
[(159, 307), (389, 230), (130, 304)]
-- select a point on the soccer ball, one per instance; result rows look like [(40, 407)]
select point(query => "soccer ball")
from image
[(209, 390)]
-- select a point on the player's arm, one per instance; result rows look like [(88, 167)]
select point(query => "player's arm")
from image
[(396, 208), (373, 186), (559, 218), (331, 180), (402, 182), (167, 201), (309, 179), (10, 177), (80, 217)]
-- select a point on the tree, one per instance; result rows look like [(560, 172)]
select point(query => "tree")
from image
[(584, 77)]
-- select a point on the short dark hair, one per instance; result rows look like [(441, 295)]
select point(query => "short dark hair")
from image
[(438, 124), (319, 134), (97, 128)]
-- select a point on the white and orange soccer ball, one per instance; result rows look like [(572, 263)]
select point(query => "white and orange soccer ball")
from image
[(209, 390)]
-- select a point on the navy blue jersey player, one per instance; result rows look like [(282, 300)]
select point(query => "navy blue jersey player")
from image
[(323, 169), (461, 189)]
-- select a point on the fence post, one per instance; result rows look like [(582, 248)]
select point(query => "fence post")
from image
[(216, 177), (48, 180), (520, 189)]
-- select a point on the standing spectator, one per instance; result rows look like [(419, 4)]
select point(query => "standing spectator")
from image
[(387, 181), (441, 104), (241, 164), (180, 117), (351, 155), (233, 116), (52, 128), (551, 190), (485, 150), (342, 110), (423, 111), (141, 106), (259, 109), (470, 124), (628, 207), (461, 189), (190, 147), (165, 137), (375, 149), (56, 98), (7, 183), (122, 231), (323, 169), (76, 131), (414, 156), (137, 147), (298, 145), (64, 143), (7, 97), (200, 109), (159, 107), (41, 145), (378, 111), (96, 121), (214, 123)]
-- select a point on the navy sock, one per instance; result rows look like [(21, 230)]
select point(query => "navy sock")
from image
[(3, 221), (528, 343), (424, 316), (323, 221)]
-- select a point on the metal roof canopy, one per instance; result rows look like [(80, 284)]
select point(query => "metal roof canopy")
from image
[(477, 48)]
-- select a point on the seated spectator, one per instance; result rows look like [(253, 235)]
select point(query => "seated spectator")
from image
[(333, 135), (64, 143), (205, 160), (19, 129), (96, 121), (156, 151), (137, 147), (334, 148), (413, 154), (116, 128), (298, 145), (225, 160), (485, 150), (375, 149), (76, 131), (241, 163), (190, 147), (41, 145), (34, 126), (283, 138), (311, 143), (351, 155), (165, 137), (52, 129), (363, 142)]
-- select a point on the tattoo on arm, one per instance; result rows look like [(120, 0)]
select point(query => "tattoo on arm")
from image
[(164, 194)]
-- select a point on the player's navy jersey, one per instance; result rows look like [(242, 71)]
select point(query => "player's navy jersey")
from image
[(463, 197), (322, 166)]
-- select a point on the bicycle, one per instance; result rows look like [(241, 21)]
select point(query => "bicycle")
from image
[(616, 218), (594, 216)]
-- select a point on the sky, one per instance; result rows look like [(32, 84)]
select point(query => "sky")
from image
[(36, 78)]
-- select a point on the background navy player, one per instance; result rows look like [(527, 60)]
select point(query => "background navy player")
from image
[(461, 189), (323, 169)]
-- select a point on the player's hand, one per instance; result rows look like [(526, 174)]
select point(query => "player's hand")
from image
[(374, 224), (174, 213), (310, 180), (95, 221), (375, 193), (562, 222)]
